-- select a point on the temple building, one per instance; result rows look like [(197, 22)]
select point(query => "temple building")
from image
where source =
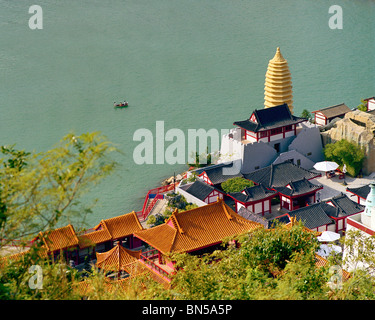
[(257, 199), (273, 134), (278, 84), (200, 193), (271, 126), (297, 194), (195, 231), (361, 193), (326, 115)]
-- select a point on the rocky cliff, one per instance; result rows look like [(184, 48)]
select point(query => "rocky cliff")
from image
[(357, 127)]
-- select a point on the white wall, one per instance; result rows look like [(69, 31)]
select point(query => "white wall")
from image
[(239, 206), (231, 148), (258, 207), (371, 104), (320, 119)]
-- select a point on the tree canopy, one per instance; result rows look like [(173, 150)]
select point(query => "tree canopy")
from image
[(345, 152), (40, 190)]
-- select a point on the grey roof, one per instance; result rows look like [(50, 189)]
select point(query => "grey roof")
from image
[(312, 216), (249, 215), (200, 190), (344, 206), (280, 175), (361, 191), (283, 219), (298, 187), (215, 172), (254, 193), (321, 213), (334, 111), (270, 118)]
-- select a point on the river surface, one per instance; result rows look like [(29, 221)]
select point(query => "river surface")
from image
[(192, 64)]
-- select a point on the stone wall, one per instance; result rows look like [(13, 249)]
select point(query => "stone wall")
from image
[(357, 127)]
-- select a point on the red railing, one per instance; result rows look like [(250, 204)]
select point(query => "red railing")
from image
[(146, 209), (15, 243), (146, 259), (152, 204)]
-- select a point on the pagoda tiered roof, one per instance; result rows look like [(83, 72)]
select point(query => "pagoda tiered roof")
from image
[(278, 83), (117, 259)]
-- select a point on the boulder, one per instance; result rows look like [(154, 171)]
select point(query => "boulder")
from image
[(357, 127)]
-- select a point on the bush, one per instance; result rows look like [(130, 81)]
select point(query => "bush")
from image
[(236, 184), (345, 152)]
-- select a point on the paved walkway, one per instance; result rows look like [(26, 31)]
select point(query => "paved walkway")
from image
[(334, 186), (159, 207)]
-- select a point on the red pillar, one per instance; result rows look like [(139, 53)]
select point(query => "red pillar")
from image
[(262, 208)]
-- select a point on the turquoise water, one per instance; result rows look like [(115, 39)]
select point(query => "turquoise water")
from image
[(193, 64)]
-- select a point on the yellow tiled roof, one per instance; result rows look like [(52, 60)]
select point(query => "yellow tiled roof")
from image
[(93, 238), (60, 238), (197, 228), (122, 226)]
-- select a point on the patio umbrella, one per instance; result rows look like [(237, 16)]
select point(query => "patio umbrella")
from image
[(326, 166), (325, 250), (328, 236)]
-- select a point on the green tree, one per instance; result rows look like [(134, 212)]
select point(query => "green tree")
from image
[(345, 152), (363, 106), (40, 190), (269, 264), (236, 184), (306, 114)]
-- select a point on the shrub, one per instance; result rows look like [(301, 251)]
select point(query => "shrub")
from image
[(236, 184), (345, 152)]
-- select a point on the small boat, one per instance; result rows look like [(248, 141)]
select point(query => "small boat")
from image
[(123, 104)]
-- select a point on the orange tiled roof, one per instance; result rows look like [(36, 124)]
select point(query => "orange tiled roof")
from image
[(93, 238), (85, 288), (122, 226), (60, 238), (116, 259), (190, 230), (322, 262)]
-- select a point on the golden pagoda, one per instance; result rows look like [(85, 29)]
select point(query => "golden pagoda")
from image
[(278, 85)]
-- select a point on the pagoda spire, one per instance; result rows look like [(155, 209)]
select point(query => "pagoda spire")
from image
[(278, 84)]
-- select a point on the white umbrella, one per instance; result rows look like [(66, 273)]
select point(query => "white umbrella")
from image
[(326, 166), (328, 236), (325, 250)]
